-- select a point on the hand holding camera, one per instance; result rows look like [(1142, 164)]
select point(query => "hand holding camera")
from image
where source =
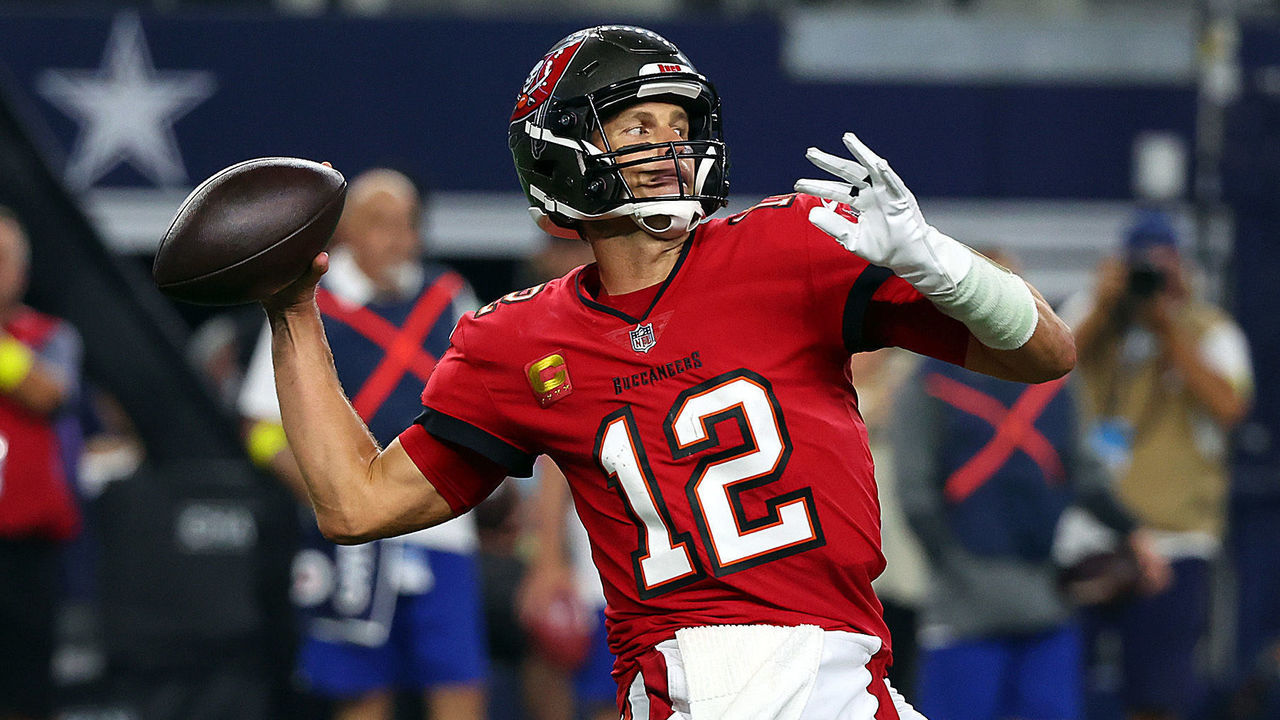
[(1145, 280), (1138, 290)]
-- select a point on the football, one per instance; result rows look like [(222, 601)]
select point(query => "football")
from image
[(249, 230)]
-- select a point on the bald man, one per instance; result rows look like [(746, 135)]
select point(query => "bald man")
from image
[(402, 613)]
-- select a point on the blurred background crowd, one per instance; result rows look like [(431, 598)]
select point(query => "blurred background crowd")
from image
[(1099, 548)]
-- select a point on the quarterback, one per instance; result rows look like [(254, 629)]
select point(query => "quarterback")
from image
[(691, 384)]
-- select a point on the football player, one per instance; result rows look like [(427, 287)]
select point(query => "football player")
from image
[(691, 384)]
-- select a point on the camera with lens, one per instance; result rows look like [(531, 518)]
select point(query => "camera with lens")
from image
[(1145, 280)]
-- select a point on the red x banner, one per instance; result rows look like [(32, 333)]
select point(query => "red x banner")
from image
[(402, 346), (1015, 430)]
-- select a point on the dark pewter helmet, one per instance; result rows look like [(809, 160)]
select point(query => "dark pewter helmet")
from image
[(584, 80)]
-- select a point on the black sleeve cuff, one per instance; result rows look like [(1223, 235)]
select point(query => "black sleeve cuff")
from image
[(855, 308), (460, 432)]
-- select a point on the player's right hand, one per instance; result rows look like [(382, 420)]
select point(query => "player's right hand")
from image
[(300, 293), (890, 230)]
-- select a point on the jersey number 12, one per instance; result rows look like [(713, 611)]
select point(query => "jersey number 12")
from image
[(666, 559)]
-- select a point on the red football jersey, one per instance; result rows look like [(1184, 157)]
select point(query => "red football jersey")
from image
[(712, 443)]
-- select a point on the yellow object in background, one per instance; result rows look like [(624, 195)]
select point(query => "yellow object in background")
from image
[(266, 439), (16, 360)]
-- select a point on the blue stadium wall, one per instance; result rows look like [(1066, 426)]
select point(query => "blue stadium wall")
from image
[(433, 96)]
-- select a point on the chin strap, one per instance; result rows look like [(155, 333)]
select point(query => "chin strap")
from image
[(668, 219)]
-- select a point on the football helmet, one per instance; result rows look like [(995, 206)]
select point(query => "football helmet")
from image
[(584, 80)]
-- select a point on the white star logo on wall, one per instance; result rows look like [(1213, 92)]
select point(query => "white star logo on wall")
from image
[(125, 109)]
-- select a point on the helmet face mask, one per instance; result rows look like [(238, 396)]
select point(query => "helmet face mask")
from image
[(560, 114)]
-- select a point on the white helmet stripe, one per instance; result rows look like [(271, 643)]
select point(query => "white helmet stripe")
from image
[(704, 169), (551, 205), (540, 133)]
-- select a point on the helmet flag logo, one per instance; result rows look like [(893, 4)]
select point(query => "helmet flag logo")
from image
[(542, 80)]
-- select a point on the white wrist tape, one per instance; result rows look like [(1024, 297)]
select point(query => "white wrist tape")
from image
[(996, 305), (938, 266)]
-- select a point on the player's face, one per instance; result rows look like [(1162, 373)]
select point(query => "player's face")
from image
[(651, 122)]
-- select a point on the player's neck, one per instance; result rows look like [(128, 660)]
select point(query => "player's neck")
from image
[(631, 259)]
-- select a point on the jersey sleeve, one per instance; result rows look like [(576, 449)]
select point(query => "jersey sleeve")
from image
[(872, 307), (462, 477), (460, 407), (897, 315)]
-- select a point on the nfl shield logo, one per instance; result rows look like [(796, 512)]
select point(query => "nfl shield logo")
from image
[(642, 338)]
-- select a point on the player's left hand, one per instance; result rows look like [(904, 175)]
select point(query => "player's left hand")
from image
[(890, 230)]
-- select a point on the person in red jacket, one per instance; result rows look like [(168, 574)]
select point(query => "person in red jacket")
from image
[(39, 362)]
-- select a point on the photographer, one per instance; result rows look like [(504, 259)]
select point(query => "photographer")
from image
[(1166, 377)]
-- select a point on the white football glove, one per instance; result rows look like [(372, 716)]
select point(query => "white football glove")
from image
[(996, 305), (891, 231)]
